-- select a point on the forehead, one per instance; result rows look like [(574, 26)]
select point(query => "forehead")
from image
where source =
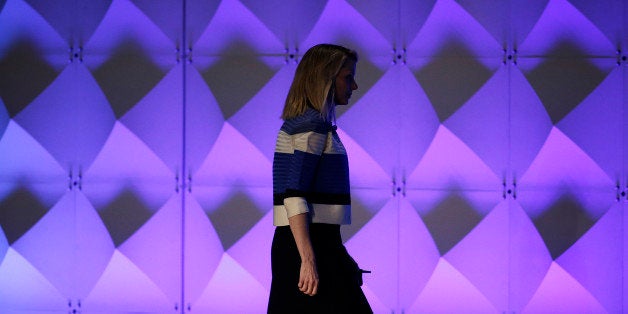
[(349, 65)]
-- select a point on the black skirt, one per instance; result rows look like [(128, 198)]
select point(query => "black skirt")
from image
[(340, 279)]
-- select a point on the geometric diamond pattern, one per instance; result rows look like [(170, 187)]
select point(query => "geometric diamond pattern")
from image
[(487, 144)]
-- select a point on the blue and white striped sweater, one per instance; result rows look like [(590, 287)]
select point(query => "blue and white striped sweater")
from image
[(310, 172)]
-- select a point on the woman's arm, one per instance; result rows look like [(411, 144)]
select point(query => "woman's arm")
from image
[(308, 278)]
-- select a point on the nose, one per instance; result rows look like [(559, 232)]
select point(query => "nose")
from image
[(354, 85)]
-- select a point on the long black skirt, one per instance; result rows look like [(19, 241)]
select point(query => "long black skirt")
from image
[(339, 288)]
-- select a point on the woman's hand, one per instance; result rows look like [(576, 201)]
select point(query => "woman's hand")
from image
[(308, 278)]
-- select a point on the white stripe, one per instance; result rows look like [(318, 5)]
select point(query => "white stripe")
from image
[(334, 146), (309, 142), (284, 143), (319, 213), (295, 205)]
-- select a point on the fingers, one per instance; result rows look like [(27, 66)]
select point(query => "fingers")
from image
[(310, 287), (308, 280)]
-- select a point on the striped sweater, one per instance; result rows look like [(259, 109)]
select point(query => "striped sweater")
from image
[(310, 172)]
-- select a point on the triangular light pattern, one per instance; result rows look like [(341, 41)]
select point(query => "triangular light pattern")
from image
[(18, 21), (23, 287), (340, 23), (125, 22), (364, 172), (441, 168), (199, 14), (125, 160), (50, 245), (602, 246), (482, 256), (257, 242), (447, 281), (234, 22), (482, 123), (449, 22), (364, 123), (203, 120), (408, 15), (416, 117), (75, 23), (290, 21), (376, 304), (203, 250), (267, 106), (523, 17), (529, 123), (156, 119), (71, 118), (21, 156), (494, 16), (594, 123), (228, 284), (561, 22), (124, 287), (365, 203), (155, 248), (561, 293), (234, 161), (418, 256), (529, 258), (166, 15), (607, 16), (562, 163), (374, 123), (93, 242), (377, 251)]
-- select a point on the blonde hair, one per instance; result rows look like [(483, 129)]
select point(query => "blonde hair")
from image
[(313, 81)]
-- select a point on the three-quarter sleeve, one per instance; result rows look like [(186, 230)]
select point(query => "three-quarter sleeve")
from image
[(296, 161)]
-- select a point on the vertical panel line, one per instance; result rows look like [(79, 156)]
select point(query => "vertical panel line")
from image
[(183, 148)]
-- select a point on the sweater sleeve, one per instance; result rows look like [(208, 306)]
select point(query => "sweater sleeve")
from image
[(301, 170)]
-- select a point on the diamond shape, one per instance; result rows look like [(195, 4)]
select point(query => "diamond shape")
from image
[(127, 76), (562, 84), (450, 82), (562, 224), (19, 212), (24, 74), (451, 221), (236, 77), (234, 218), (124, 216)]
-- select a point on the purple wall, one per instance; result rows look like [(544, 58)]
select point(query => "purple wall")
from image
[(487, 145)]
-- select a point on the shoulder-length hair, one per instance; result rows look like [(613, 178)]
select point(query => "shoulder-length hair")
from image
[(313, 80)]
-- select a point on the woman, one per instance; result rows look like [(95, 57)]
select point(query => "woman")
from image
[(312, 271)]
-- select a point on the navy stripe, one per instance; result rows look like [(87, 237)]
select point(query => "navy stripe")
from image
[(310, 121), (316, 198)]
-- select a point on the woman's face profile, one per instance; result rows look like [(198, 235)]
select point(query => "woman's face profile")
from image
[(345, 83)]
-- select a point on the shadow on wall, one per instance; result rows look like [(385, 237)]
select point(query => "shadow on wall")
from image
[(564, 79), (19, 212), (127, 76), (24, 74)]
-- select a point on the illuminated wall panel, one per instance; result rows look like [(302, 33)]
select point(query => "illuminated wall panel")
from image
[(487, 143)]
